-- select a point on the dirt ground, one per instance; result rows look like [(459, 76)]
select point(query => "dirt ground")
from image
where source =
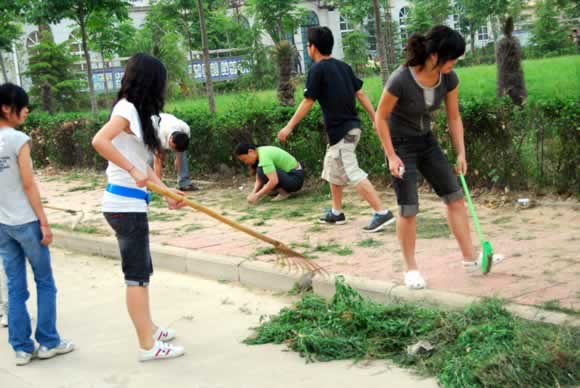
[(541, 243)]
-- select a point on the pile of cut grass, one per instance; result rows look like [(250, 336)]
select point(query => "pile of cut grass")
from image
[(481, 346)]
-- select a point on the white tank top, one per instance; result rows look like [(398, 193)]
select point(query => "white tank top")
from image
[(133, 148)]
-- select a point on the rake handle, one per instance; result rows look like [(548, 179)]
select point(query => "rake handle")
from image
[(471, 207), (168, 193)]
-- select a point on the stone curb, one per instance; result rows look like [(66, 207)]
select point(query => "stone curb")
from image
[(268, 276)]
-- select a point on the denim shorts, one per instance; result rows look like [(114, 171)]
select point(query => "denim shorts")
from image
[(422, 154), (132, 231)]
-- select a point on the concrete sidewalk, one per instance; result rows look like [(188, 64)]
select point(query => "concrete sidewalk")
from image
[(211, 318)]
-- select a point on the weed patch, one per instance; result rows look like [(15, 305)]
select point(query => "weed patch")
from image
[(481, 346)]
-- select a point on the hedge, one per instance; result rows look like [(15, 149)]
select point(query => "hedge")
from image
[(536, 146)]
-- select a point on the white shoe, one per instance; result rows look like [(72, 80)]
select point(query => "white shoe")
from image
[(23, 358), (63, 347), (414, 280), (161, 351), (472, 266), (164, 335), (4, 320)]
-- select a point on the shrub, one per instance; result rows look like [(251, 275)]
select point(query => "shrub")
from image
[(529, 147)]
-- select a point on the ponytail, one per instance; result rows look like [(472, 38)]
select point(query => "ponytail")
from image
[(416, 50)]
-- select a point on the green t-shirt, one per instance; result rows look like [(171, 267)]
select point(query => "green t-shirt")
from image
[(273, 158)]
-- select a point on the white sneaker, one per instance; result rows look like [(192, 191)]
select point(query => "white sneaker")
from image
[(23, 358), (472, 266), (63, 347), (414, 280), (4, 320), (161, 351), (164, 334)]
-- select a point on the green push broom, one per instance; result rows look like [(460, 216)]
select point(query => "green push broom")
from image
[(487, 254)]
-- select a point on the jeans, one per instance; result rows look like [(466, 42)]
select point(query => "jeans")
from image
[(422, 154), (132, 231), (3, 291), (290, 182), (183, 173), (17, 243)]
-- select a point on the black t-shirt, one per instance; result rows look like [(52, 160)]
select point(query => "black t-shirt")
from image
[(333, 84)]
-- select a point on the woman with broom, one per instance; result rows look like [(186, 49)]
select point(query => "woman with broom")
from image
[(125, 141), (403, 120)]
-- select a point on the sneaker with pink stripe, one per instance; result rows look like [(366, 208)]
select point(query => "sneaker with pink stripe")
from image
[(164, 334), (161, 351)]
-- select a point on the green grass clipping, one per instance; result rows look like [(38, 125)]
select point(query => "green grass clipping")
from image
[(482, 346)]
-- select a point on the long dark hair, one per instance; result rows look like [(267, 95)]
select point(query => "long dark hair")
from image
[(447, 43), (143, 85)]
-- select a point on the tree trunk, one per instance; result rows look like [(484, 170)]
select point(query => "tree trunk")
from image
[(105, 68), (208, 83), (381, 42), (3, 67), (87, 55), (390, 39)]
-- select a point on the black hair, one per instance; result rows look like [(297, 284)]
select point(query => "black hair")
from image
[(447, 43), (244, 148), (14, 97), (322, 39), (181, 141), (143, 85)]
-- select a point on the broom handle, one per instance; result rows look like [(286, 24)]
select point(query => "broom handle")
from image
[(167, 193), (471, 207)]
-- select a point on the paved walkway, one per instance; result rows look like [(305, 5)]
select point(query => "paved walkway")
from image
[(542, 244), (211, 318)]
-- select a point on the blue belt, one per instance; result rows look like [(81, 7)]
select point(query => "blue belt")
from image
[(129, 192)]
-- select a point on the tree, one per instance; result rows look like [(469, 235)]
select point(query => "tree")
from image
[(53, 11), (548, 34), (153, 38), (357, 11), (279, 18), (51, 69), (10, 31), (354, 44), (108, 37), (427, 13), (208, 81), (510, 75)]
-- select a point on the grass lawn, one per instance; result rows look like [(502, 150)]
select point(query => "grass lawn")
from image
[(544, 78)]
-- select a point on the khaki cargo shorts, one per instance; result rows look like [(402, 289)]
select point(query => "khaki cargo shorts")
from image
[(340, 163)]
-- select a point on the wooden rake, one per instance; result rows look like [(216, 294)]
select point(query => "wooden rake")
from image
[(287, 257), (75, 223)]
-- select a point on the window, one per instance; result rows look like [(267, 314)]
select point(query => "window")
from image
[(482, 34), (32, 40), (75, 44), (372, 35), (344, 25)]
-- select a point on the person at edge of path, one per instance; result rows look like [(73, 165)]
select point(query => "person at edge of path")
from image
[(276, 171), (25, 234), (174, 135), (333, 84), (403, 120), (125, 141)]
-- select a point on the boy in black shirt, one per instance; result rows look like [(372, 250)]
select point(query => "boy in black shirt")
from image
[(335, 86)]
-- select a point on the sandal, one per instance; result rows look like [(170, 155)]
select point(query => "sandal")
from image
[(414, 280)]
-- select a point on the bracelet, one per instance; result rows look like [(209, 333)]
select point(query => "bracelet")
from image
[(44, 226), (131, 169)]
